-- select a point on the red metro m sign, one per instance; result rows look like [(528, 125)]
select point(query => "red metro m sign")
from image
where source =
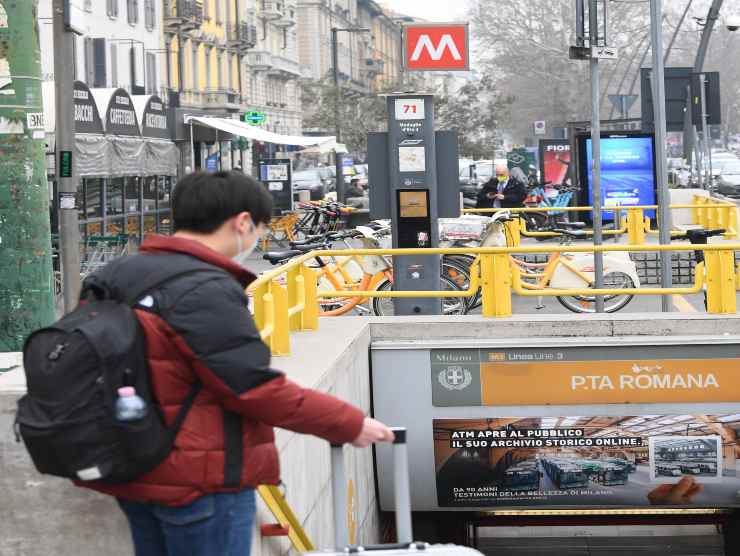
[(436, 47)]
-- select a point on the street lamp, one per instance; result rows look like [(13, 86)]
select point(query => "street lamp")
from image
[(337, 117)]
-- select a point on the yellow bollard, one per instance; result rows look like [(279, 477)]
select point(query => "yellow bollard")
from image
[(280, 338), (721, 282), (496, 282), (310, 314), (636, 226), (293, 285), (515, 231), (258, 301)]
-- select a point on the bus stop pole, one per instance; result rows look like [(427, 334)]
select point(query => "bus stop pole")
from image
[(658, 83)]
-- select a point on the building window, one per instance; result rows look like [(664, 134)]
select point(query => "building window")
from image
[(133, 11), (132, 190), (196, 77), (114, 197), (113, 65), (219, 70), (209, 53), (218, 11), (112, 8), (151, 73), (150, 14), (207, 9)]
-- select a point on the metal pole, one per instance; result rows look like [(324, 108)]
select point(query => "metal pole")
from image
[(192, 148), (337, 114), (596, 151), (218, 146), (707, 135), (658, 78), (701, 54), (69, 230), (26, 280)]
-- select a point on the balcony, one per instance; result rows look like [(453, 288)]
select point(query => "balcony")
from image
[(271, 10), (242, 36), (285, 68), (182, 15), (221, 99), (259, 60), (286, 21)]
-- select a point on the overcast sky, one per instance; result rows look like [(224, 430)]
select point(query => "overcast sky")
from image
[(432, 10)]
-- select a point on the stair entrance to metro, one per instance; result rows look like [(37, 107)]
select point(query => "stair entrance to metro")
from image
[(575, 446)]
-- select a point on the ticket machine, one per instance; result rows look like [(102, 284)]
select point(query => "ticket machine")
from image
[(414, 181)]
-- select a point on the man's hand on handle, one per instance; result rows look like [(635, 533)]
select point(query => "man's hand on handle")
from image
[(372, 431)]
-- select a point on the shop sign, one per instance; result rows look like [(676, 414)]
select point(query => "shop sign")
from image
[(255, 117), (87, 118), (573, 376), (121, 116), (154, 119)]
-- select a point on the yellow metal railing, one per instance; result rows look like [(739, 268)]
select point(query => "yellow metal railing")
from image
[(286, 299), (706, 212)]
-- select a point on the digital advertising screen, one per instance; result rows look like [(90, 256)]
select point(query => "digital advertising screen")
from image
[(555, 161), (627, 171)]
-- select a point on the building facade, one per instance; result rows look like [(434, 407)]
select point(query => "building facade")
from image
[(120, 44), (274, 70), (368, 61), (125, 160)]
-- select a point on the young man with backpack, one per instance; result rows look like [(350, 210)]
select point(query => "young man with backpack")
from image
[(184, 460)]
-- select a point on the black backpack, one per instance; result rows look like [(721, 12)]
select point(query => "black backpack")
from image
[(74, 369)]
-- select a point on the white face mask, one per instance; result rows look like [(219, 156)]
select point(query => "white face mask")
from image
[(243, 253)]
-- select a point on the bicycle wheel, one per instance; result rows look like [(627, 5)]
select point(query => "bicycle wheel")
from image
[(338, 306), (612, 303), (459, 273), (466, 261), (383, 306)]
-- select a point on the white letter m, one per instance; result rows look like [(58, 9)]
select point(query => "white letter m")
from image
[(436, 53)]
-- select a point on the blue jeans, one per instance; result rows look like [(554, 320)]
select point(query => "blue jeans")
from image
[(214, 525)]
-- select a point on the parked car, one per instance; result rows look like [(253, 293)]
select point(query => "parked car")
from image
[(728, 181), (311, 180)]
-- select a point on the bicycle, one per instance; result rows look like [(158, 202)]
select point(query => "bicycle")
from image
[(365, 273), (562, 270), (700, 237)]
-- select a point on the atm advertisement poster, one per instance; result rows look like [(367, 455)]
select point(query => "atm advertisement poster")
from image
[(627, 172), (555, 161), (631, 461)]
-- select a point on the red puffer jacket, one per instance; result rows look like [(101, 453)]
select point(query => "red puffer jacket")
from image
[(198, 328)]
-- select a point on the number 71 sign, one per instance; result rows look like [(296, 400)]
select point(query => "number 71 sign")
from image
[(409, 109)]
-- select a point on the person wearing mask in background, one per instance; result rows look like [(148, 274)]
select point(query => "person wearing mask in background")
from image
[(504, 191), (200, 501), (354, 189)]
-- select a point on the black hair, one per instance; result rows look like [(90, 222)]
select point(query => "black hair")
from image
[(203, 201)]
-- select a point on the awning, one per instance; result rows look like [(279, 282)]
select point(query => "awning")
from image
[(242, 129), (324, 148)]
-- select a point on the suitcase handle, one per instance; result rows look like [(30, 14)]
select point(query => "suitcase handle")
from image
[(402, 493), (379, 547)]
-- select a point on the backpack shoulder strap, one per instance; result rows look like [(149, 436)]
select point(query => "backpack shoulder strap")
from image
[(158, 279)]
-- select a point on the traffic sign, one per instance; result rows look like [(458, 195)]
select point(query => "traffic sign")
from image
[(605, 52), (436, 47), (255, 118)]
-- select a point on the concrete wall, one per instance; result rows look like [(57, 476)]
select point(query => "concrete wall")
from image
[(41, 515)]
